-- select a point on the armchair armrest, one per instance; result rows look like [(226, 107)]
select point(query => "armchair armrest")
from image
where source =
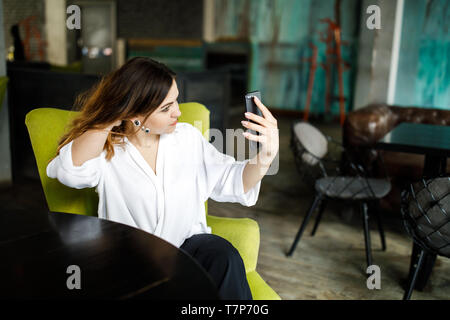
[(243, 233)]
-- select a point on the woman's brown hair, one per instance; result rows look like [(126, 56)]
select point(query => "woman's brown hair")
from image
[(135, 89)]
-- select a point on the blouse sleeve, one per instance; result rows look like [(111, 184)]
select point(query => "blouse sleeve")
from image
[(221, 176), (78, 177)]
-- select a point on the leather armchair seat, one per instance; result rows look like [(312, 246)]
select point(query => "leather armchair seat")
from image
[(364, 127)]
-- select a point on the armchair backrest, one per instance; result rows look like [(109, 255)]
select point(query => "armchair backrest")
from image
[(47, 125), (425, 210)]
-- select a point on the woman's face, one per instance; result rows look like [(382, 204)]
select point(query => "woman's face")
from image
[(163, 119)]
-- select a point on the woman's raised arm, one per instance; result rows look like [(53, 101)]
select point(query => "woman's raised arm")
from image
[(90, 144)]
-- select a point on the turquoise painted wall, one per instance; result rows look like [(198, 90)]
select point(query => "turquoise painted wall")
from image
[(280, 32), (424, 62)]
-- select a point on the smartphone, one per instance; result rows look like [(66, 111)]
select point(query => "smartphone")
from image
[(253, 108)]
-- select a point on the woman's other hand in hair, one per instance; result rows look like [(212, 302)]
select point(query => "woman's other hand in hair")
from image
[(91, 143)]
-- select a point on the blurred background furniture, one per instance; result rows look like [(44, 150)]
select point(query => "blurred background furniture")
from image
[(310, 147), (364, 127), (34, 86), (433, 141), (426, 216), (243, 233)]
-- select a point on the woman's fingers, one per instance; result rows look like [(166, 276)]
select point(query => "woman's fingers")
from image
[(253, 137), (254, 127), (265, 111), (258, 119), (267, 121)]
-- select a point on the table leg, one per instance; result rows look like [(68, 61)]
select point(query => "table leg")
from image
[(424, 272), (434, 166)]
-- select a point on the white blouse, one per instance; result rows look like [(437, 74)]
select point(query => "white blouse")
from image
[(170, 204)]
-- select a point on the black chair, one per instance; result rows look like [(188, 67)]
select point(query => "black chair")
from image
[(310, 147), (426, 217)]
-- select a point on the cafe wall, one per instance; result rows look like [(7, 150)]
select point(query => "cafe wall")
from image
[(280, 33), (424, 60), (29, 14)]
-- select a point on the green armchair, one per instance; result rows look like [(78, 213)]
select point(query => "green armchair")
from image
[(3, 86), (46, 125)]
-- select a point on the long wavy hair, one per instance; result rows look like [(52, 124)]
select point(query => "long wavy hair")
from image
[(135, 89)]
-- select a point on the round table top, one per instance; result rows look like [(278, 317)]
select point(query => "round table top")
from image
[(61, 255)]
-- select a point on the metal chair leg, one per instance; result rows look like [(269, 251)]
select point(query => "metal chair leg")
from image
[(412, 283), (315, 203), (319, 217), (365, 218), (380, 225), (426, 270)]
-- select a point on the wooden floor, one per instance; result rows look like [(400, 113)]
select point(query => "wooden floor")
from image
[(332, 264)]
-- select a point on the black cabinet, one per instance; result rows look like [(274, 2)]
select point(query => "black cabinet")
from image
[(210, 88)]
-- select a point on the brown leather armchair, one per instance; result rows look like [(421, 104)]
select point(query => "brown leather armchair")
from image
[(364, 127)]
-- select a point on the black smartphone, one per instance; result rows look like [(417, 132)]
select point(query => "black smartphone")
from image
[(253, 108)]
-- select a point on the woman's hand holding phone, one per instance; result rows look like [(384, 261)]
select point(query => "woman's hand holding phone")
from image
[(267, 127)]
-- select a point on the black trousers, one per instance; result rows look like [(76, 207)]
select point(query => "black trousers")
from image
[(222, 262)]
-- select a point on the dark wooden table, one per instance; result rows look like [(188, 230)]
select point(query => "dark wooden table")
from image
[(433, 141), (115, 261)]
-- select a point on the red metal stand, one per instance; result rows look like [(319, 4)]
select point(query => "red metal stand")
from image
[(312, 74), (332, 39), (31, 31)]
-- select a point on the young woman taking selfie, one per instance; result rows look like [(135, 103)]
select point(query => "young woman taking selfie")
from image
[(154, 173)]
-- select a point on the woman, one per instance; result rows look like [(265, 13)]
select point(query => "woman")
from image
[(153, 173)]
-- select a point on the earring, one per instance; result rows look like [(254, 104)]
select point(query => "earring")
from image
[(137, 123)]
